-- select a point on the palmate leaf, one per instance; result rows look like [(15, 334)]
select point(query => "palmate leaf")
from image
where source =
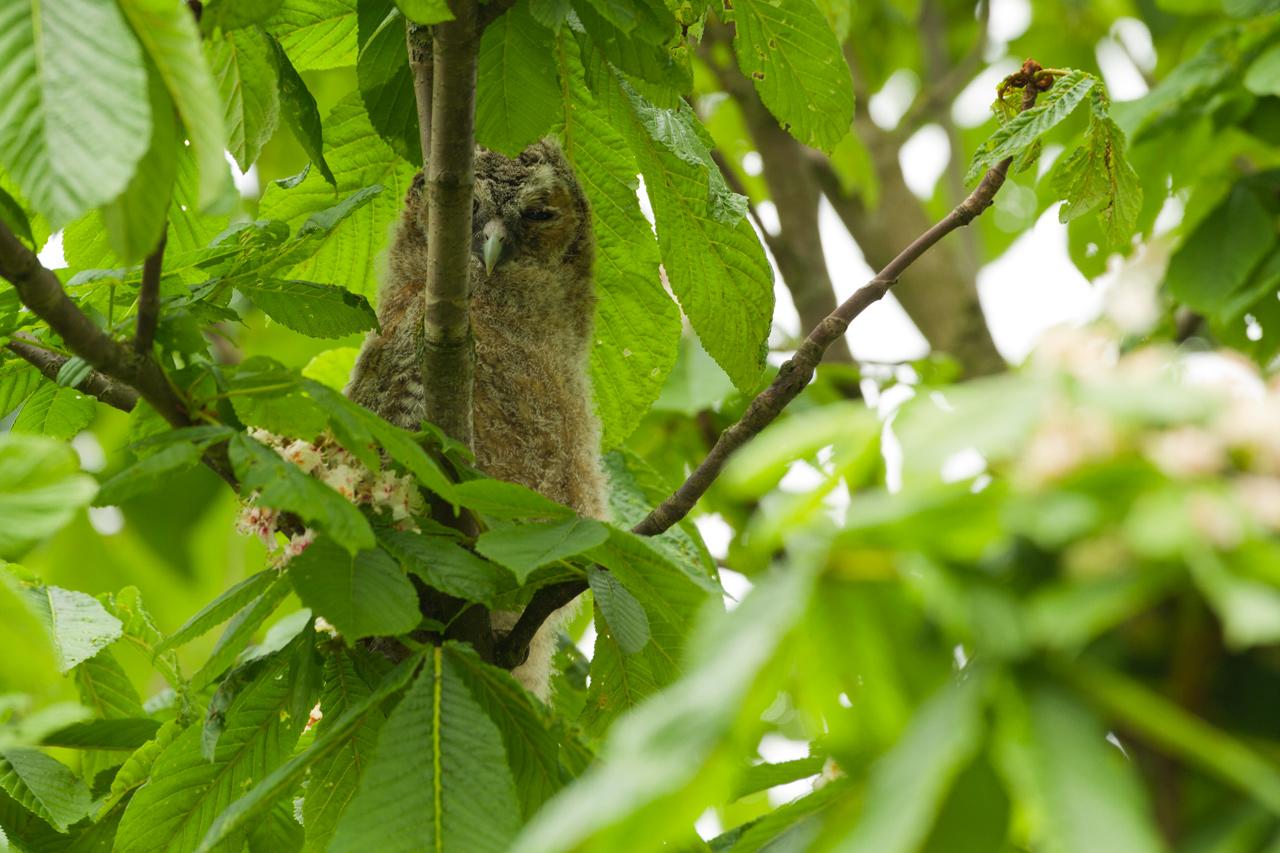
[(792, 56), (316, 310), (334, 778), (333, 736), (447, 566), (220, 609), (908, 786), (56, 411), (298, 107), (523, 548), (169, 34), (1020, 132), (425, 11), (45, 787), (359, 159), (639, 48), (148, 473), (713, 259), (18, 381), (41, 489), (1096, 177), (184, 793), (244, 65), (637, 324), (238, 633), (670, 752), (439, 777), (518, 96), (105, 689), (76, 119), (622, 613), (386, 81), (316, 34), (77, 623), (363, 594)]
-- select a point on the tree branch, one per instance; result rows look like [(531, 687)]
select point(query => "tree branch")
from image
[(792, 378), (149, 298), (448, 365), (95, 384), (42, 293)]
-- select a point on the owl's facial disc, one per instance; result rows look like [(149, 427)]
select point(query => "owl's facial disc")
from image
[(495, 244)]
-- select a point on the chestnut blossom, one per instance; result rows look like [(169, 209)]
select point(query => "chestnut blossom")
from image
[(1186, 452)]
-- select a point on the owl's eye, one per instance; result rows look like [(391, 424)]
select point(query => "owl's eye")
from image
[(538, 214)]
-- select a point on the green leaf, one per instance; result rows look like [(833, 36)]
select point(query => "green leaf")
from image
[(140, 630), (115, 734), (169, 34), (363, 594), (626, 618), (439, 777), (234, 14), (317, 34), (645, 59), (18, 381), (41, 489), (317, 310), (44, 787), (135, 220), (1092, 796), (1263, 76), (386, 81), (332, 368), (712, 257), (425, 11), (298, 106), (75, 121), (669, 754), (1096, 178), (333, 737), (447, 566), (1216, 260), (501, 499), (518, 95), (359, 159), (1248, 608), (220, 609), (147, 474), (637, 326), (335, 777), (73, 372), (244, 66), (77, 624), (792, 56), (532, 748), (761, 777), (56, 411), (237, 634), (185, 792), (526, 547), (908, 786), (12, 215), (105, 689), (282, 485), (1018, 134)]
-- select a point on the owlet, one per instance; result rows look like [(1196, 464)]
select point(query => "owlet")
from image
[(532, 304)]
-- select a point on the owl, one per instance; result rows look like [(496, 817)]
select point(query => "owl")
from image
[(532, 307)]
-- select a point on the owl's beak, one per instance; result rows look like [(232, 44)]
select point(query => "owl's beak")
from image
[(495, 245)]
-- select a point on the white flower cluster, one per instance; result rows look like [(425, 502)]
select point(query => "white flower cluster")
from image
[(1229, 460), (330, 463)]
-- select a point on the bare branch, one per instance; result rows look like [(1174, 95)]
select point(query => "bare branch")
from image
[(448, 365), (42, 293), (149, 298), (795, 374), (95, 384)]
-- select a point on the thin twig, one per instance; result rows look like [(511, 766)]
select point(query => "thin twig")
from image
[(41, 292), (792, 378), (149, 298), (95, 384)]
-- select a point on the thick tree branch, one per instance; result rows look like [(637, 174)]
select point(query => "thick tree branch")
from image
[(448, 365), (95, 384), (42, 293), (792, 378), (149, 298)]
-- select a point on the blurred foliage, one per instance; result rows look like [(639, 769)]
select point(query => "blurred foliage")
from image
[(1034, 612)]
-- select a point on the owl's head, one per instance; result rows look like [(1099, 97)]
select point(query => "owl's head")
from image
[(527, 212)]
